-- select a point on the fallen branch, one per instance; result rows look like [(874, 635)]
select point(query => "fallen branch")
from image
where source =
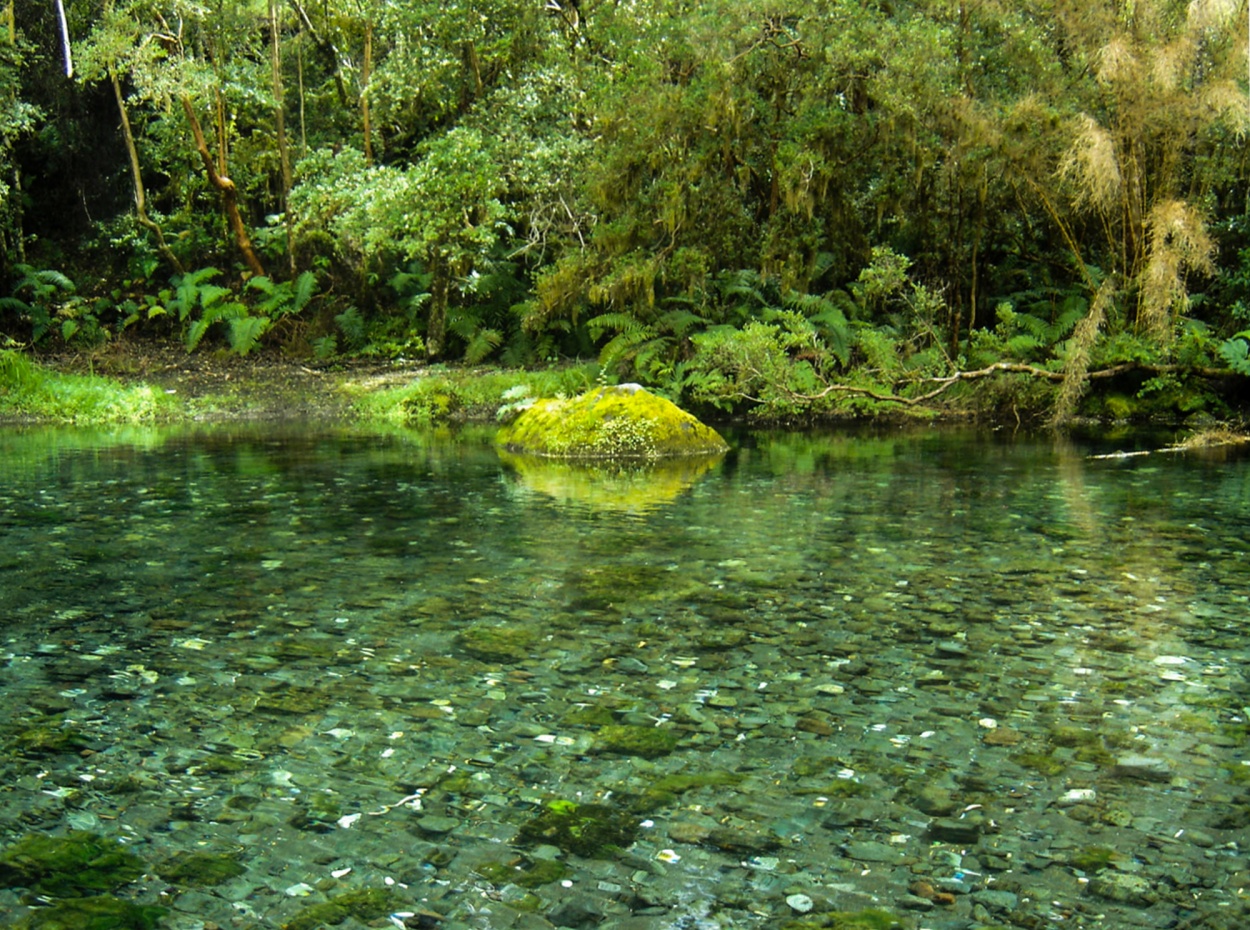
[(944, 383), (1206, 439)]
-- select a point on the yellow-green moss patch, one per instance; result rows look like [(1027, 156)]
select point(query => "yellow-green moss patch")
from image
[(623, 422)]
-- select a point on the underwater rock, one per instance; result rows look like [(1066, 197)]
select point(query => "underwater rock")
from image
[(594, 831), (496, 643), (622, 422), (102, 912), (647, 742), (364, 905), (68, 866), (200, 869)]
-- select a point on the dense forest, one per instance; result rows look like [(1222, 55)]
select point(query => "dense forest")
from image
[(748, 204)]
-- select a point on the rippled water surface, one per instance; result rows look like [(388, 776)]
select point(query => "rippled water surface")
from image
[(963, 679)]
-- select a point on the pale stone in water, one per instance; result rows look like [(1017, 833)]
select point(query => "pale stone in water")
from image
[(800, 903)]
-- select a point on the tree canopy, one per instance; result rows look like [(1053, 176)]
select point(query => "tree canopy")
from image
[(757, 204)]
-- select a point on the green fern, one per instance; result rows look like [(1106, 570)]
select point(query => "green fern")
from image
[(481, 345), (245, 332)]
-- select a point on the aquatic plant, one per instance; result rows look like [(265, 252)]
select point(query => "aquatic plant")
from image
[(102, 912), (200, 869), (628, 740), (524, 872), (870, 919), (496, 643), (363, 905), (1094, 858), (595, 831), (79, 863)]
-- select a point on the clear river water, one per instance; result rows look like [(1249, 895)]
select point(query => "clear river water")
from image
[(274, 677)]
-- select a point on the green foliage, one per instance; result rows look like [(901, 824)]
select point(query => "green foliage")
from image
[(28, 389), (200, 304), (79, 863), (446, 395), (595, 831), (36, 296), (1235, 351)]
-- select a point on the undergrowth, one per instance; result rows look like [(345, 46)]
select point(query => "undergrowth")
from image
[(31, 390), (444, 396)]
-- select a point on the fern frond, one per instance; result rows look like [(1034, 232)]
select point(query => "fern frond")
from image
[(680, 321), (305, 288), (617, 321), (483, 343), (245, 332)]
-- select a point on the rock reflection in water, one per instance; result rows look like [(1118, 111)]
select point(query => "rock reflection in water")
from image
[(625, 486)]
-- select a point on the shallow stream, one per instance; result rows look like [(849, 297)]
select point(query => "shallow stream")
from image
[(963, 678)]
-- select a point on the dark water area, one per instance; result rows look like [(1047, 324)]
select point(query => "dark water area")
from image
[(307, 678)]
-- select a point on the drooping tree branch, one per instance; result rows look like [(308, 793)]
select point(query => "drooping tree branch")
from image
[(141, 201), (225, 187)]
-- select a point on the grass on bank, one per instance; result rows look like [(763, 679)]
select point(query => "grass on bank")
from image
[(31, 390), (449, 395)]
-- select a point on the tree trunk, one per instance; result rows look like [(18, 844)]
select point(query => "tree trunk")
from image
[(136, 174), (279, 119), (225, 187), (364, 94), (436, 326)]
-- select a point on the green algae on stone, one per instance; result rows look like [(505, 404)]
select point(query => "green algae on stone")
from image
[(200, 869), (76, 864), (871, 919), (594, 831), (622, 422), (50, 741), (524, 873), (363, 905), (496, 643), (101, 912), (627, 740)]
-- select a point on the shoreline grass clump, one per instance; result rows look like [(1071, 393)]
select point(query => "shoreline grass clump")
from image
[(28, 389)]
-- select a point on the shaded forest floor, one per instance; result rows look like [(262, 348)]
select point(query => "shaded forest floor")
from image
[(262, 386)]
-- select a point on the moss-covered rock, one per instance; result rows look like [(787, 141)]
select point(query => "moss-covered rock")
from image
[(595, 831), (647, 742), (364, 905), (200, 869), (622, 422), (526, 873), (79, 863), (497, 643), (103, 912)]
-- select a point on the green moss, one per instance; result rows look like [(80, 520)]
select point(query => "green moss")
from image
[(592, 715), (1040, 762), (200, 869), (497, 643), (103, 912), (78, 863), (615, 422), (363, 905), (1095, 754), (1094, 858), (50, 741), (1072, 736), (595, 831), (840, 788), (523, 872), (647, 742), (871, 919), (668, 789)]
